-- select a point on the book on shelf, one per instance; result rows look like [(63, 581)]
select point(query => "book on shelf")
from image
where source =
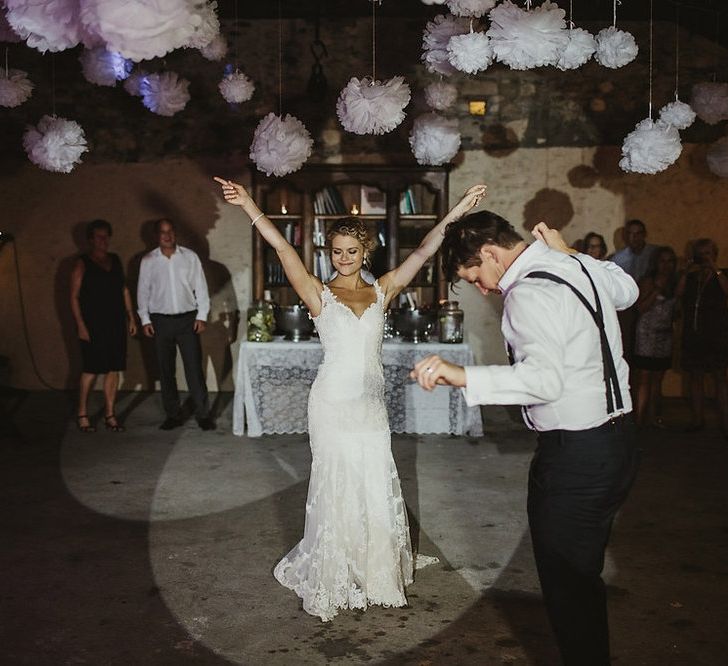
[(407, 204), (328, 201), (322, 267), (372, 201)]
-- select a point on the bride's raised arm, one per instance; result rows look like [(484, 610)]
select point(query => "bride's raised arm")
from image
[(397, 279), (307, 286)]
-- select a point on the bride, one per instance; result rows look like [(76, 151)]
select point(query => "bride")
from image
[(355, 550)]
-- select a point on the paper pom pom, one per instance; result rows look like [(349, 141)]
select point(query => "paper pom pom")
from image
[(165, 93), (579, 49), (474, 8), (46, 26), (524, 39), (236, 88), (372, 107), (440, 95), (433, 2), (133, 83), (434, 139), (651, 147), (718, 157), (678, 114), (710, 102), (435, 39), (7, 34), (615, 48), (470, 53), (141, 30), (56, 144), (104, 68), (280, 145), (15, 88), (216, 49)]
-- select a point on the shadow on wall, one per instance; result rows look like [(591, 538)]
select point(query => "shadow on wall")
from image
[(551, 206), (62, 302)]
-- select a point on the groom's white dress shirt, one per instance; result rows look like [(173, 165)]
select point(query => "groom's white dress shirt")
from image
[(172, 285), (558, 373)]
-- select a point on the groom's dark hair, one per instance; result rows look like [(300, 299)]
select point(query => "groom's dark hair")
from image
[(464, 238)]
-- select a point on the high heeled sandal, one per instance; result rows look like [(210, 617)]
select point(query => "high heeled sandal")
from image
[(114, 427), (84, 428)]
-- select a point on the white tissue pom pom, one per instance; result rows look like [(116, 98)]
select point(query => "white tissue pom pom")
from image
[(280, 145), (216, 49), (146, 29), (650, 147), (133, 83), (15, 88), (615, 48), (524, 39), (46, 26), (372, 107), (718, 157), (433, 2), (103, 67), (678, 114), (165, 94), (474, 8), (7, 34), (434, 139), (440, 95), (209, 26), (470, 53), (236, 88), (435, 39), (579, 49), (56, 144), (710, 102)]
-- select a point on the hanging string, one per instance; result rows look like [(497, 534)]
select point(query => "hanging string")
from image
[(717, 41), (7, 69), (237, 39), (677, 51), (53, 83), (374, 42), (650, 59), (571, 16), (614, 17), (280, 60)]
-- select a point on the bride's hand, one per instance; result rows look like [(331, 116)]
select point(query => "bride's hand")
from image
[(470, 199), (233, 192)]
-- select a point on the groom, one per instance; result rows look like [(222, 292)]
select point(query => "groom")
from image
[(567, 370)]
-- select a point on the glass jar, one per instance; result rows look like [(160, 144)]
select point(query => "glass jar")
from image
[(261, 322), (450, 318)]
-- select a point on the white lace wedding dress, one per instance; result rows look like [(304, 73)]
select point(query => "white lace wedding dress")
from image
[(355, 550)]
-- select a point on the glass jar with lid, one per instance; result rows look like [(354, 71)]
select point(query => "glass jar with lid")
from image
[(450, 318)]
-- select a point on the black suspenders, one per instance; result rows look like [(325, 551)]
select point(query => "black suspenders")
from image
[(611, 380)]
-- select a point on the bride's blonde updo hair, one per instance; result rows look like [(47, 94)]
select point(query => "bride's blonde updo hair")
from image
[(354, 227)]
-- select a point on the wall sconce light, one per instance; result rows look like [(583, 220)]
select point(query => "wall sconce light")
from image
[(354, 209), (477, 107)]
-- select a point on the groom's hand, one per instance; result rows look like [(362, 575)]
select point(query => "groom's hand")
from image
[(432, 370)]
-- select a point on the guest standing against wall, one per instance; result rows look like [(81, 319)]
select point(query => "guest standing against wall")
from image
[(173, 304), (594, 245), (101, 306), (702, 293)]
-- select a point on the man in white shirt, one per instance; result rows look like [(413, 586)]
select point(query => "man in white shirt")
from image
[(173, 304), (568, 373)]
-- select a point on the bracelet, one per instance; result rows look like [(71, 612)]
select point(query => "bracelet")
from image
[(257, 217)]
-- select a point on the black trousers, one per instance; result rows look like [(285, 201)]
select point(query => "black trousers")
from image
[(577, 482), (170, 332)]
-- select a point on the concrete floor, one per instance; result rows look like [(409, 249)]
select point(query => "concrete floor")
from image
[(153, 547)]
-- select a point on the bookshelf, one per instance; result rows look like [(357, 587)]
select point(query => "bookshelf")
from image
[(399, 204)]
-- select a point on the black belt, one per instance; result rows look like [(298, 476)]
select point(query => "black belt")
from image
[(173, 316)]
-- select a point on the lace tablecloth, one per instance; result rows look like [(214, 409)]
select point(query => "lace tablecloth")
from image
[(273, 380)]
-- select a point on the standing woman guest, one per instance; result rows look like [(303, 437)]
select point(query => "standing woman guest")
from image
[(595, 245), (702, 292), (653, 337), (356, 549), (101, 306)]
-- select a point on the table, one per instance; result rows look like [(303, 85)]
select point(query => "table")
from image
[(273, 379)]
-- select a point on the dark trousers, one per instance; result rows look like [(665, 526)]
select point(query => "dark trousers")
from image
[(170, 332), (577, 482)]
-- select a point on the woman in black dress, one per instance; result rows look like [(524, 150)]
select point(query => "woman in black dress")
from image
[(101, 305), (703, 294)]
